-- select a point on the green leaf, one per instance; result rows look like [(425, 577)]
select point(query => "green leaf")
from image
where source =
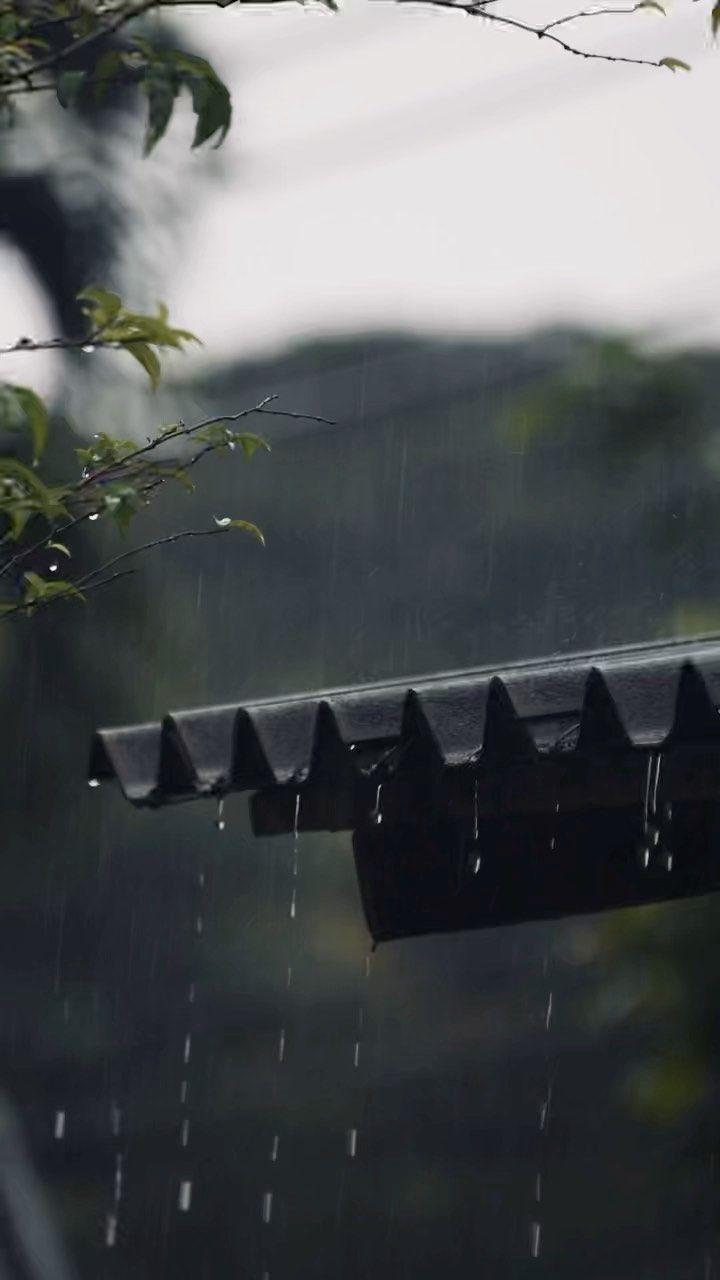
[(105, 71), (60, 546), (20, 407), (69, 84), (674, 64), (212, 106), (715, 19), (161, 89), (41, 590), (148, 359), (37, 417), (250, 443), (104, 305), (225, 522), (652, 4)]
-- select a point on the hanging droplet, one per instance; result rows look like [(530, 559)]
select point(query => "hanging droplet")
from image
[(185, 1196), (219, 820), (376, 813), (95, 515), (93, 782), (266, 1208), (53, 568), (89, 348)]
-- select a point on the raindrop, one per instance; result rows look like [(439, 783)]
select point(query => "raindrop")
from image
[(111, 1224), (93, 782), (266, 1210), (535, 1230), (118, 1178), (477, 865), (191, 993), (199, 924), (351, 1143), (219, 820), (356, 1054), (185, 1196), (548, 1011), (476, 815), (187, 1047), (94, 516), (89, 348), (53, 568), (289, 975), (184, 1132), (376, 813), (275, 1148), (538, 1187), (59, 1130), (115, 1119), (183, 1091), (293, 905), (296, 821), (281, 1045)]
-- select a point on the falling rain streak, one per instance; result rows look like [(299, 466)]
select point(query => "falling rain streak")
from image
[(112, 1217), (266, 1203)]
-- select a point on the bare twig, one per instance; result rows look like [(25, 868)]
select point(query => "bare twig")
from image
[(593, 13), (476, 9), (79, 585)]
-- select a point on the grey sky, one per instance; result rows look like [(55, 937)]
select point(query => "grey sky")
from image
[(416, 168)]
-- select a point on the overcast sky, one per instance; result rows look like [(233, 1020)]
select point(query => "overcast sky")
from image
[(403, 167)]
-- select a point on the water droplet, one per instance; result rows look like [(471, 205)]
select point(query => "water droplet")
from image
[(477, 865), (293, 905), (231, 446), (199, 924), (53, 568), (111, 1225), (535, 1230), (191, 993), (376, 813), (183, 1091), (186, 1048), (89, 348), (538, 1187), (281, 1045), (351, 1143), (275, 1148), (59, 1129), (219, 820), (93, 782), (185, 1196), (95, 515), (266, 1209), (184, 1132), (356, 1054), (548, 1011)]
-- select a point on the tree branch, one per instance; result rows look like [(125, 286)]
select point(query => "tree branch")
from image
[(477, 9)]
